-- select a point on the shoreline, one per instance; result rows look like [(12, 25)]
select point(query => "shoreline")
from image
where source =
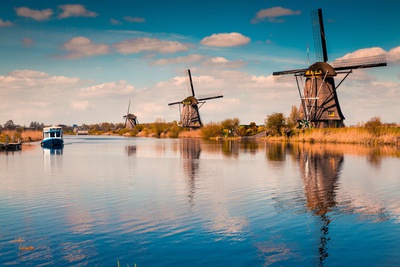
[(358, 136)]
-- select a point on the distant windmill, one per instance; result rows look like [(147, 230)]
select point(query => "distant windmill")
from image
[(190, 116), (130, 119), (319, 102)]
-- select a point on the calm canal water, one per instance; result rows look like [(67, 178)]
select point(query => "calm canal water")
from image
[(186, 202)]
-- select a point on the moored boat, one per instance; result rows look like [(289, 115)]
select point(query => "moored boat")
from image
[(52, 137)]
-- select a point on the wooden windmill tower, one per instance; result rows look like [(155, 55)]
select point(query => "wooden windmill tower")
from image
[(130, 119), (190, 116), (319, 101)]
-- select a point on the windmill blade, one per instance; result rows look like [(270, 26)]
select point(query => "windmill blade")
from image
[(284, 78), (291, 72), (129, 105), (321, 52), (191, 82), (287, 75), (126, 116), (211, 97), (360, 63), (174, 103)]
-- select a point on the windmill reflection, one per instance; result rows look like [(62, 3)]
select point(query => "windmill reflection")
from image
[(190, 153), (130, 150), (320, 170)]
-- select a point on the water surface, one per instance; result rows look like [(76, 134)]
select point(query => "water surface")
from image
[(188, 202)]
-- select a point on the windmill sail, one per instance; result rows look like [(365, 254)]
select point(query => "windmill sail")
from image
[(210, 97), (360, 63), (319, 36), (191, 83)]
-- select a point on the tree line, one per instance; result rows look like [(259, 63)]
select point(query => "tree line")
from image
[(11, 126)]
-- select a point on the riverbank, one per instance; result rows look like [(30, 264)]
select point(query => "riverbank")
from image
[(23, 137), (348, 135)]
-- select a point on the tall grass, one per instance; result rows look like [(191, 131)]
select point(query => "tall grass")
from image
[(24, 136), (350, 135)]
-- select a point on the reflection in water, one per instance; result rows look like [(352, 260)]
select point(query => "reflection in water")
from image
[(52, 158), (190, 153), (320, 170), (230, 148), (52, 151), (276, 151), (181, 199), (130, 150)]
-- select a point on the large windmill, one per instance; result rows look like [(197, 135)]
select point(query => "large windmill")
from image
[(319, 102), (190, 116), (130, 119)]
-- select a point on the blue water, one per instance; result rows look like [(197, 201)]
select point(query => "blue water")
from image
[(101, 201)]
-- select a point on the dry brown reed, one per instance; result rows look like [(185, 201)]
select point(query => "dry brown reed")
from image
[(349, 135), (23, 137)]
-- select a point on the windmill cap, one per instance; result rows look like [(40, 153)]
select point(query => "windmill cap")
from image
[(190, 100), (320, 69)]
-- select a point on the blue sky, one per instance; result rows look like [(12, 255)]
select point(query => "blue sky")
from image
[(81, 61)]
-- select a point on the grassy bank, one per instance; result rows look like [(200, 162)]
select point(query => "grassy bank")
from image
[(349, 135), (21, 136)]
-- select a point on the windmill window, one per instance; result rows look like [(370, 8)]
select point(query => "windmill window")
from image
[(331, 113)]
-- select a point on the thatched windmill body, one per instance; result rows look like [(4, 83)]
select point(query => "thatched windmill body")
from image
[(189, 108), (319, 101), (130, 119)]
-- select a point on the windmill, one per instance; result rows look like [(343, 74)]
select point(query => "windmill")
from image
[(130, 119), (190, 116), (319, 101)]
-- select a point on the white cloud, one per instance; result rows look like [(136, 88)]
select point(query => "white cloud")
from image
[(38, 15), (75, 11), (177, 60), (149, 45), (221, 62), (273, 13), (36, 96), (110, 89), (365, 52), (225, 40), (135, 19), (5, 23), (79, 47), (394, 55)]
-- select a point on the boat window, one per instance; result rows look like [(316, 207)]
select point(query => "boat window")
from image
[(51, 134)]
